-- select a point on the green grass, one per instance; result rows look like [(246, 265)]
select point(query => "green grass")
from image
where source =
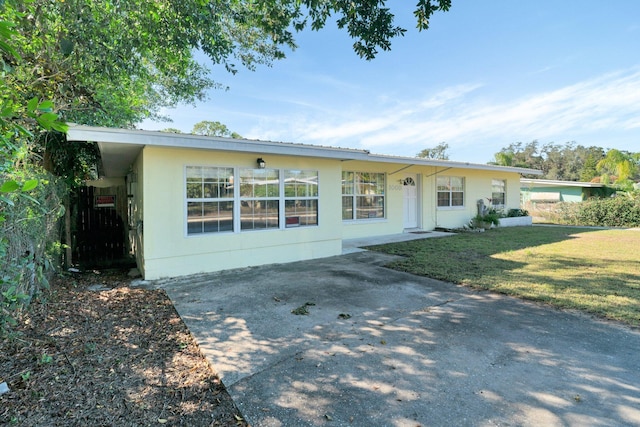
[(596, 271)]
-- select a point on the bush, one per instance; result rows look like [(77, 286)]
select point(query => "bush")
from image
[(517, 212), (620, 211), (28, 242)]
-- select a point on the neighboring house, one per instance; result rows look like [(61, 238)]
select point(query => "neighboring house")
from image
[(201, 204), (534, 191)]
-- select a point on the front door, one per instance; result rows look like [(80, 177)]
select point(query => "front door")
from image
[(410, 192)]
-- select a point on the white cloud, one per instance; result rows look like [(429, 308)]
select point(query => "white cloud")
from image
[(462, 117), (470, 117)]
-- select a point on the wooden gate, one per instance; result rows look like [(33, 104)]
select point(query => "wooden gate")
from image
[(100, 232)]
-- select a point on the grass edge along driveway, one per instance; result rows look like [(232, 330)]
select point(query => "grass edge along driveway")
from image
[(592, 270)]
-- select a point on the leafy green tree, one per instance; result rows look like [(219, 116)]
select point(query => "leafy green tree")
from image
[(209, 128), (503, 158), (29, 202), (519, 155), (589, 170), (622, 165), (115, 63), (439, 152), (568, 162)]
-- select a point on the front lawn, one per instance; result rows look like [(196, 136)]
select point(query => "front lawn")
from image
[(593, 270)]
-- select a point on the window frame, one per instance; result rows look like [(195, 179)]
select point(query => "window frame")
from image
[(256, 200), (353, 192), (310, 197), (306, 197), (204, 199), (495, 183), (450, 192)]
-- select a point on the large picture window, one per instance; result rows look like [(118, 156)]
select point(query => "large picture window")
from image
[(450, 191), (259, 199), (227, 199), (209, 199), (363, 195), (498, 193), (301, 198)]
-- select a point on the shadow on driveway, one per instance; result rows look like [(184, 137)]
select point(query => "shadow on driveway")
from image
[(382, 347)]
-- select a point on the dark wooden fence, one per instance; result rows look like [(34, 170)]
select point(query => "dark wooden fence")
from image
[(100, 231)]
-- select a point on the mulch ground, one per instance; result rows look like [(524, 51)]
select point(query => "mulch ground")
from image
[(115, 357)]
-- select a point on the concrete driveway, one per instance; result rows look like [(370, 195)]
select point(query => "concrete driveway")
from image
[(384, 348)]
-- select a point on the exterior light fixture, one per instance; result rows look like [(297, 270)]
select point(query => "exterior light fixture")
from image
[(261, 163)]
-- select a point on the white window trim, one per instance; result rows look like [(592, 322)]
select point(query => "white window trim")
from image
[(237, 199), (502, 205), (186, 201), (354, 196), (283, 202), (464, 194)]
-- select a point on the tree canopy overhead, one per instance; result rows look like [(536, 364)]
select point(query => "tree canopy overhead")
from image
[(115, 63)]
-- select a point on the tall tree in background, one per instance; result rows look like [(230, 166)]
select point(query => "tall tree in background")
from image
[(568, 162), (439, 152), (209, 128), (519, 155), (503, 158), (622, 166), (589, 170)]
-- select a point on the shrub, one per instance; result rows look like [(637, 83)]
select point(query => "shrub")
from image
[(517, 212), (620, 211), (28, 242)]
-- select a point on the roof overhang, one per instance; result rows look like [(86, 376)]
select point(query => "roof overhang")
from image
[(120, 147)]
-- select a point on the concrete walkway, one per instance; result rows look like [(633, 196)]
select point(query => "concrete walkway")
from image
[(350, 246), (384, 348)]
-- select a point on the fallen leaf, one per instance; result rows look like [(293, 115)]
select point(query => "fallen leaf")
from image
[(162, 420)]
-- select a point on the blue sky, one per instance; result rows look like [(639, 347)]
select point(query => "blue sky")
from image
[(486, 74)]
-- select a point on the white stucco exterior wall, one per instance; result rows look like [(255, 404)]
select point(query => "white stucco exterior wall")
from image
[(164, 249), (168, 251)]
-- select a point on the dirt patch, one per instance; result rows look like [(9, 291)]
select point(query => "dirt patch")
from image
[(109, 356)]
